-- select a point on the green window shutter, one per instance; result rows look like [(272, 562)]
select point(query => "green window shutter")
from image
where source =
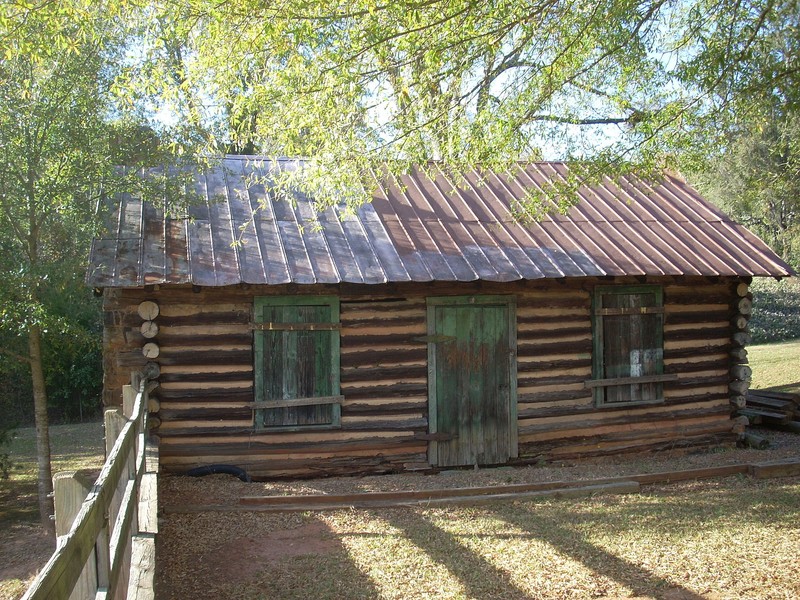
[(628, 358), (296, 348)]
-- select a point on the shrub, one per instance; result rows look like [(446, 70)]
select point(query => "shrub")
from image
[(776, 310)]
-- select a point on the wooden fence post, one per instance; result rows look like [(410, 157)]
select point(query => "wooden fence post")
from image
[(70, 490), (129, 395), (114, 422)]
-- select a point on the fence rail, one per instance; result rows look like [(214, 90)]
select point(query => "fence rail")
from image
[(112, 532)]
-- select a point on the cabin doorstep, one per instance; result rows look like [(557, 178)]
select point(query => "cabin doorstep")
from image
[(429, 329)]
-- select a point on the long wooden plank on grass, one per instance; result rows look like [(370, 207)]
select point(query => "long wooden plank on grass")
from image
[(297, 503), (779, 468)]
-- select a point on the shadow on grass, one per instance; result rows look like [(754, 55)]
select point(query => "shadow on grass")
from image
[(569, 542), (479, 577), (18, 502), (273, 558)]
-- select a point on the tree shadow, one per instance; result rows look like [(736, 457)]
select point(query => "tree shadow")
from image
[(288, 557), (462, 562), (570, 542)]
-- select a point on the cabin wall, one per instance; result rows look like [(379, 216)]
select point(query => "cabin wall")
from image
[(205, 357)]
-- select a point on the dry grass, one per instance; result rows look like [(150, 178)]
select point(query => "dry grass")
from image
[(24, 547), (732, 538), (776, 365)]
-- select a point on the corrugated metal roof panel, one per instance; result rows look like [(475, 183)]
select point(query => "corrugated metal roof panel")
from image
[(445, 228)]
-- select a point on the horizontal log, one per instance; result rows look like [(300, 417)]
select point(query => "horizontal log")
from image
[(551, 325), (224, 450), (235, 356), (678, 350), (580, 393), (741, 372), (700, 345), (607, 420), (397, 390), (741, 338), (780, 468), (383, 408), (369, 373), (222, 308), (357, 356), (696, 317), (419, 424), (588, 407), (738, 401), (745, 306), (546, 348), (200, 340), (242, 373), (199, 318), (397, 322), (739, 354), (699, 333), (228, 413), (620, 442), (682, 367), (557, 336), (209, 386), (212, 330), (628, 426), (739, 322), (686, 304), (739, 387), (303, 467), (740, 425), (705, 381), (549, 363), (216, 395), (306, 438), (148, 310), (525, 381)]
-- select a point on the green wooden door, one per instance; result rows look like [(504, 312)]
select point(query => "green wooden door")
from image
[(472, 380)]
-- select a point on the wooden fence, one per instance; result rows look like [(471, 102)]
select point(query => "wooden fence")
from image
[(106, 531)]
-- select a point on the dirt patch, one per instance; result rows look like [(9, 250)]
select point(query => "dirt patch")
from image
[(254, 553), (24, 550)]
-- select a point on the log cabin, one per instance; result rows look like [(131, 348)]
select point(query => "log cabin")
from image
[(430, 328)]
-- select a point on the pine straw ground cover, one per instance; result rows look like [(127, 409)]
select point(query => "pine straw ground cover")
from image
[(726, 538)]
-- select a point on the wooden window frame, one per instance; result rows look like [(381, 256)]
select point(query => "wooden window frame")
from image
[(600, 384), (259, 330)]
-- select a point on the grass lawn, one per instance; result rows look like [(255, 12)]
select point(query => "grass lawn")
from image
[(776, 366), (729, 538), (23, 546)]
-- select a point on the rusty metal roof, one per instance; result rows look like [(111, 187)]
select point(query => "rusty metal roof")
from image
[(422, 228)]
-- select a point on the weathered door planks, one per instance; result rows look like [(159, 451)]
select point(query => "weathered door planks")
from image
[(472, 379)]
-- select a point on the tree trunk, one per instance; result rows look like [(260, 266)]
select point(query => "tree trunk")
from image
[(45, 477)]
